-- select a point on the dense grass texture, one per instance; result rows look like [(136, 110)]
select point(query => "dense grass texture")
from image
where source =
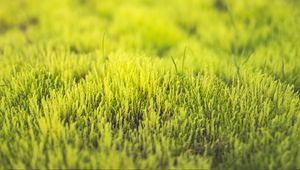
[(146, 84)]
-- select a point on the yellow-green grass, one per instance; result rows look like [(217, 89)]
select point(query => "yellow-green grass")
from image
[(140, 84)]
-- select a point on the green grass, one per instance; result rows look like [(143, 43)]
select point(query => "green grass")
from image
[(170, 84)]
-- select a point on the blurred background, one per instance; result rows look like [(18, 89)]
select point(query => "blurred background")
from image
[(211, 34)]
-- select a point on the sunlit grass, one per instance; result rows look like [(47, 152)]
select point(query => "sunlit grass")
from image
[(149, 84)]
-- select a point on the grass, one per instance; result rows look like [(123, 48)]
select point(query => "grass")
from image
[(142, 84)]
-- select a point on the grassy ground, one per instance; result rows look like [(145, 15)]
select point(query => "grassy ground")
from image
[(208, 84)]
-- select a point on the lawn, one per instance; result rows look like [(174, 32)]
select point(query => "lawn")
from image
[(149, 84)]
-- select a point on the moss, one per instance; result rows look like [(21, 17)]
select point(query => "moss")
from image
[(145, 84)]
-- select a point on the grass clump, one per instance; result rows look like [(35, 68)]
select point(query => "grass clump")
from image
[(138, 85)]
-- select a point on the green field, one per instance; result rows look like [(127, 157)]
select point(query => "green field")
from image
[(149, 84)]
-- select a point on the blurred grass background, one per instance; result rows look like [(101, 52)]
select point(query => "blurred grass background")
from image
[(259, 34)]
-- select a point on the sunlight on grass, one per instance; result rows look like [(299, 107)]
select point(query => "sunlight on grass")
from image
[(143, 84)]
